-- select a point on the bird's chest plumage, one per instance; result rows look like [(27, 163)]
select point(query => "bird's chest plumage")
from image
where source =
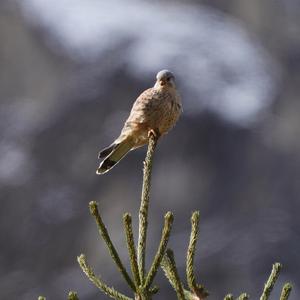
[(170, 114), (154, 109), (164, 111)]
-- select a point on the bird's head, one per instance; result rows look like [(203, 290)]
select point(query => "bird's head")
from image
[(165, 78)]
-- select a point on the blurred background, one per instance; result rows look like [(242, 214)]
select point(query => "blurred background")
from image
[(69, 73)]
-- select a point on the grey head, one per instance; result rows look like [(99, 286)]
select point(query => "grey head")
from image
[(165, 78)]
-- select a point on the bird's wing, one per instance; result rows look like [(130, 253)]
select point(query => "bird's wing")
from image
[(147, 107)]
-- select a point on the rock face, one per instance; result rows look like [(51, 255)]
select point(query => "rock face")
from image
[(64, 70)]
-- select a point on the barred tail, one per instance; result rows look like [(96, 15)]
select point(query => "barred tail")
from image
[(106, 151), (115, 153)]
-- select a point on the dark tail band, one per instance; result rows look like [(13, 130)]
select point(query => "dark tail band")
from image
[(105, 166), (106, 151)]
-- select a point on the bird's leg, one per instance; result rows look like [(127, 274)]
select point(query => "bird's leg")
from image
[(155, 133)]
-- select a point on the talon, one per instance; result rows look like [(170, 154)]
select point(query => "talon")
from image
[(154, 133)]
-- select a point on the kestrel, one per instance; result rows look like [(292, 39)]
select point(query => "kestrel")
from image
[(156, 110)]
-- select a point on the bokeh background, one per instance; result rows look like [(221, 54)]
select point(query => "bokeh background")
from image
[(69, 73)]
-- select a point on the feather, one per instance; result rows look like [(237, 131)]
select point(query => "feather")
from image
[(117, 153), (106, 151)]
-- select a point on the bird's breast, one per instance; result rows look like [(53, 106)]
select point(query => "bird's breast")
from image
[(170, 116)]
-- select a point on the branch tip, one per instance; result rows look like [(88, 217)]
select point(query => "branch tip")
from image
[(93, 208), (169, 216), (81, 259), (153, 290), (195, 216), (268, 287), (286, 290), (72, 296), (243, 296), (127, 218)]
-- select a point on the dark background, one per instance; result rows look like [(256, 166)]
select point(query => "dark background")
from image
[(69, 73)]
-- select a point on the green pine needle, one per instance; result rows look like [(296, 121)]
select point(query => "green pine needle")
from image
[(286, 290), (268, 287), (97, 281)]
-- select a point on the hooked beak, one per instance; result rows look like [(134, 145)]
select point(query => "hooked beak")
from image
[(162, 82)]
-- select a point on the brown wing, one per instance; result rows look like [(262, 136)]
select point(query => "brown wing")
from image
[(151, 110), (146, 107)]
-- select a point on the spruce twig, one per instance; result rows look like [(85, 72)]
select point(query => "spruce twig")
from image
[(195, 288), (111, 292), (141, 284), (143, 212), (112, 250), (153, 290), (169, 266), (161, 249), (72, 296), (243, 296), (268, 287), (286, 290), (190, 272), (127, 220)]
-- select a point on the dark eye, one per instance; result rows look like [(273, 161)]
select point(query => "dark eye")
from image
[(169, 78)]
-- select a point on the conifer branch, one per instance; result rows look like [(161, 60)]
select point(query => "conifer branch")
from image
[(169, 267), (72, 296), (286, 290), (141, 283), (112, 250), (143, 212), (111, 292), (154, 290), (268, 287), (190, 272), (161, 249), (243, 296), (127, 220), (195, 288)]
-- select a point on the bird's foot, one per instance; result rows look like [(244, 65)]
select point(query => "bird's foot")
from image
[(154, 132)]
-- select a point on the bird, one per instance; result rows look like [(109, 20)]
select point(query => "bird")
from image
[(155, 111)]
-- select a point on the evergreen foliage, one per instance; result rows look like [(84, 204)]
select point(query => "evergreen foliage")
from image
[(141, 281)]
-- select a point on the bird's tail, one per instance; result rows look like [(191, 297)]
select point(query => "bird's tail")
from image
[(114, 154)]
